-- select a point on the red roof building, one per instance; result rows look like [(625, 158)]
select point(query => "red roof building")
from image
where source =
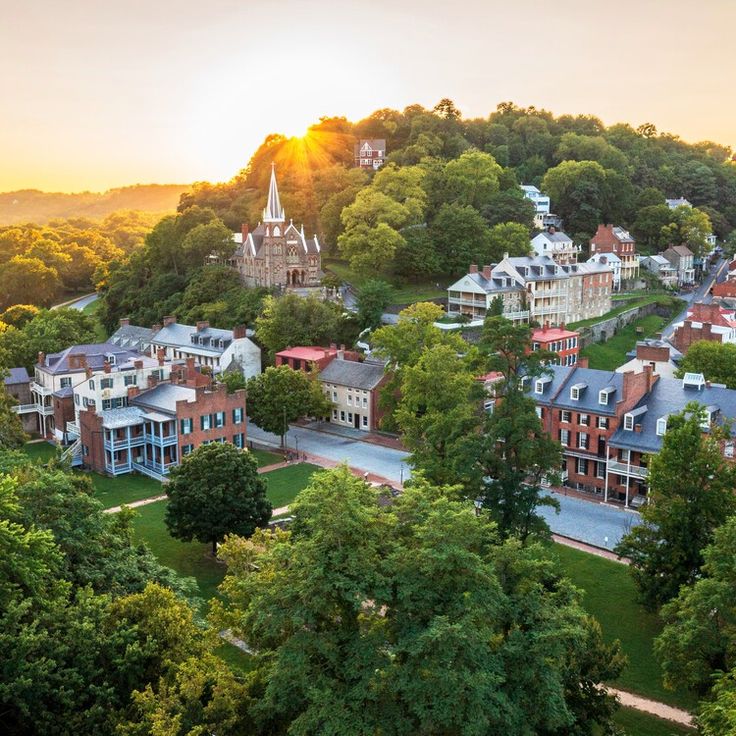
[(566, 343), (705, 322)]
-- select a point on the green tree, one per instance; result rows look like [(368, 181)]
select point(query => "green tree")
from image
[(416, 257), (472, 179), (699, 634), (281, 395), (513, 453), (214, 492), (374, 296), (19, 314), (370, 249), (391, 596), (511, 238), (718, 716), (437, 411), (402, 346), (509, 205), (691, 492), (715, 360), (202, 241), (11, 429), (461, 237), (290, 320), (24, 280)]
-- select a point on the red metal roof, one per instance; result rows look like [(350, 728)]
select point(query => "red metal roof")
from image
[(307, 353)]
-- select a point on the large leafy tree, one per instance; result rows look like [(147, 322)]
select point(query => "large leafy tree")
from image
[(461, 237), (410, 618), (438, 410), (699, 636), (291, 320), (25, 279), (374, 295), (513, 453), (216, 491), (715, 360), (281, 395), (691, 493), (402, 344), (11, 429)]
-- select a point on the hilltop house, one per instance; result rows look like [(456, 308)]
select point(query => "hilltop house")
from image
[(681, 258), (662, 268), (611, 239), (555, 244), (705, 322), (370, 153), (540, 201)]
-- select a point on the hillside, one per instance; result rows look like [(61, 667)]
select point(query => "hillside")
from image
[(32, 205)]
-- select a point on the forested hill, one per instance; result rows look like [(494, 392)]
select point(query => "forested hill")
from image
[(32, 205)]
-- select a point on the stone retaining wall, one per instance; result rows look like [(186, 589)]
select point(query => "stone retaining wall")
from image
[(602, 331)]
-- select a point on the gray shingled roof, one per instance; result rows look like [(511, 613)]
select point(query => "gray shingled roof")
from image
[(95, 353), (180, 336), (556, 392), (133, 337), (669, 396), (164, 396), (16, 376), (352, 374)]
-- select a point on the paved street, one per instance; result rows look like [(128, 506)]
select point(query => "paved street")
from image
[(383, 461), (587, 521), (78, 303)]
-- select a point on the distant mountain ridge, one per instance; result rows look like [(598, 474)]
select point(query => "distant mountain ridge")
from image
[(33, 205)]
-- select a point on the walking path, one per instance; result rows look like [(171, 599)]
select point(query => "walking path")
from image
[(629, 700), (590, 549)]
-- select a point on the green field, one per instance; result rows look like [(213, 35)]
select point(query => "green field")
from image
[(636, 723), (264, 457), (611, 354), (284, 484), (403, 293), (42, 451), (610, 595)]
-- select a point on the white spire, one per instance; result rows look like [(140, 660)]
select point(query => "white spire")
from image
[(274, 212)]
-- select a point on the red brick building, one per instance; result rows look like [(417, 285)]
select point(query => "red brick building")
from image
[(162, 424), (582, 408), (705, 322), (566, 343), (614, 239), (307, 358)]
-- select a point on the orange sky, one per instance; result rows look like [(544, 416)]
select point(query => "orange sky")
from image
[(101, 94)]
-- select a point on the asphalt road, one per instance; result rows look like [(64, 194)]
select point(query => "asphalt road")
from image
[(80, 303)]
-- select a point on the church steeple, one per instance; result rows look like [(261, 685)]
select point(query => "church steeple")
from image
[(274, 212)]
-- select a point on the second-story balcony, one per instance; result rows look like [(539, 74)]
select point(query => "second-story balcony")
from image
[(522, 314), (162, 441), (635, 471), (40, 390), (124, 442), (555, 309), (25, 408)]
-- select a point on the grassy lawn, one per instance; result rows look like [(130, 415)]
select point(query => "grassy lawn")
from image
[(611, 354), (41, 451), (264, 457), (627, 304), (609, 595), (124, 488), (190, 559), (636, 723), (284, 484), (403, 293)]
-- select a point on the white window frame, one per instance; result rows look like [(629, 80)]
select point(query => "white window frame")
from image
[(583, 440), (574, 393), (661, 426), (628, 422)]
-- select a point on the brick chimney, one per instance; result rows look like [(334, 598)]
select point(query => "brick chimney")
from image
[(545, 326), (152, 380), (78, 360), (106, 367), (124, 322), (156, 327), (551, 229), (133, 391), (169, 320), (138, 365), (239, 332), (486, 272), (473, 268), (41, 358), (244, 230), (203, 325), (160, 356)]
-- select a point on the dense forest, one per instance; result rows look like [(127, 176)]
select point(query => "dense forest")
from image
[(447, 196), (32, 205)]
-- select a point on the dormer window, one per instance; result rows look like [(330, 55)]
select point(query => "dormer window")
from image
[(540, 384), (710, 416), (603, 395), (523, 382), (576, 391), (661, 426), (629, 422)]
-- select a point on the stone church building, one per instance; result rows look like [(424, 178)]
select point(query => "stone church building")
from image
[(277, 254)]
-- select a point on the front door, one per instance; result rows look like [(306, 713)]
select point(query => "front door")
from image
[(356, 421)]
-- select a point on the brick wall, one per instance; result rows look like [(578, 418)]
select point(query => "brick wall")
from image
[(687, 334), (90, 429), (210, 402)]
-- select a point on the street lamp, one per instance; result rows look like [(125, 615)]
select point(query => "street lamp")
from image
[(401, 474), (478, 503)]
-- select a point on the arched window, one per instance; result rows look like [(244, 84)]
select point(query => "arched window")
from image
[(276, 230)]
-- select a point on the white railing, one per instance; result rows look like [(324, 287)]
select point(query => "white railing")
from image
[(517, 315), (559, 309), (24, 408), (72, 428), (637, 471), (41, 390)]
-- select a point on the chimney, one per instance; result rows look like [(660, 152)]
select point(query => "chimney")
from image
[(152, 380), (41, 358), (341, 353), (333, 346), (138, 365), (244, 230), (637, 428), (190, 366), (562, 326), (486, 272), (551, 229), (545, 326), (203, 325), (133, 391), (473, 268), (239, 332), (160, 356), (169, 321), (155, 328), (124, 322), (88, 372), (106, 367)]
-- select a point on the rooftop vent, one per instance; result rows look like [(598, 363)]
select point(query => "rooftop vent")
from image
[(693, 380)]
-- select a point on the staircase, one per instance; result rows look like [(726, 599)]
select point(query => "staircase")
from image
[(73, 453)]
